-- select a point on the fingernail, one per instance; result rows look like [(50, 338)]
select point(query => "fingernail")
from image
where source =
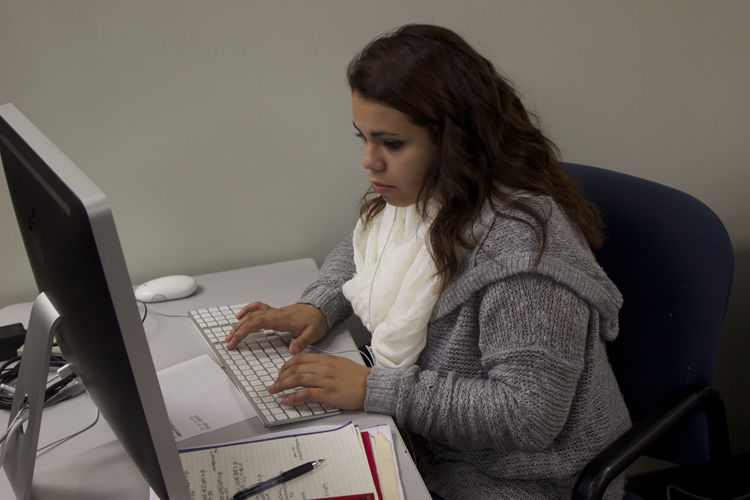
[(271, 388), (285, 401), (295, 349)]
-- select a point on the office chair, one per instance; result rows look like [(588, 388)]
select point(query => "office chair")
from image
[(672, 260)]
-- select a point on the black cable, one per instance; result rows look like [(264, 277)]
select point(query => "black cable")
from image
[(145, 311), (8, 375)]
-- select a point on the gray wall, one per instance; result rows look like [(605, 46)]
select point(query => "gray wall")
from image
[(221, 131)]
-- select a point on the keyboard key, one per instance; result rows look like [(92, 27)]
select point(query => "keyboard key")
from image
[(303, 410), (316, 408), (291, 411)]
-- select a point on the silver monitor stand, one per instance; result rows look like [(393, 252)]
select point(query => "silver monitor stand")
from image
[(20, 454)]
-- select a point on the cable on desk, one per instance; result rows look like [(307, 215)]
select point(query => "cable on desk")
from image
[(146, 309), (13, 428), (21, 416), (61, 441), (9, 373)]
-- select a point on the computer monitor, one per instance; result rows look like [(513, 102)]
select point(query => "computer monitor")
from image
[(74, 251)]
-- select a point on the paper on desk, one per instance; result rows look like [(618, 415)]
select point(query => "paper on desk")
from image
[(200, 398)]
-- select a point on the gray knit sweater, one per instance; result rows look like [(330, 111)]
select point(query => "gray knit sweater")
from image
[(513, 392)]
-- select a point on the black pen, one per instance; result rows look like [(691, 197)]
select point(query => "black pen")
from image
[(274, 481)]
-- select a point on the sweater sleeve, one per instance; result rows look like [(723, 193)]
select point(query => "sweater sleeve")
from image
[(325, 292), (532, 338)]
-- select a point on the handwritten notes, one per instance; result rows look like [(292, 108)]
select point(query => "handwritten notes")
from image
[(217, 473)]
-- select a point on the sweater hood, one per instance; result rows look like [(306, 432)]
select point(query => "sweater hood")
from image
[(510, 247)]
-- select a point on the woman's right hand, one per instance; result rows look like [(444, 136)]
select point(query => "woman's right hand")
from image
[(306, 322)]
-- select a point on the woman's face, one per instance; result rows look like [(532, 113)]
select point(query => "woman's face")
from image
[(398, 153)]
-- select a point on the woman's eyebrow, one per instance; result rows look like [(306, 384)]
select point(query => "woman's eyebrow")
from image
[(376, 134)]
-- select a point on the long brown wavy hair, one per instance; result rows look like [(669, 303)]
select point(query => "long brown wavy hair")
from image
[(485, 137)]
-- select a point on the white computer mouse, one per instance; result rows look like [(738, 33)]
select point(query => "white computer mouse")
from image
[(166, 288)]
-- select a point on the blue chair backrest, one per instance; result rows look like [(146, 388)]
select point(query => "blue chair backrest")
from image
[(672, 260)]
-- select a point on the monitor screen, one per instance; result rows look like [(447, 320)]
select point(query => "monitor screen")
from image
[(75, 255)]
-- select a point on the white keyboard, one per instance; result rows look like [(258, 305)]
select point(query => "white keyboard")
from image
[(254, 365)]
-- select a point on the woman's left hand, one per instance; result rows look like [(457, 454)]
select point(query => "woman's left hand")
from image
[(331, 380)]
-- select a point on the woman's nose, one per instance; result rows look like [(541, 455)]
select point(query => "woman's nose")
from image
[(372, 160)]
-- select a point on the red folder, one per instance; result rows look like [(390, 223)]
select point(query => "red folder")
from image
[(371, 461)]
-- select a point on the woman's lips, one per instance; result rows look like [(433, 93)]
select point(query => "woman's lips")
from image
[(381, 188)]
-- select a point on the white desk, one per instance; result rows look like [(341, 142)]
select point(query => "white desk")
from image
[(94, 465)]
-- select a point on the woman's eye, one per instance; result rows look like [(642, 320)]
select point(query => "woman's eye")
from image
[(359, 135), (393, 145)]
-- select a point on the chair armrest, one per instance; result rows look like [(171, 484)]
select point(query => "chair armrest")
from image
[(616, 457)]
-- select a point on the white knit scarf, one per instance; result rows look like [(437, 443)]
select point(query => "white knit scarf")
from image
[(396, 285)]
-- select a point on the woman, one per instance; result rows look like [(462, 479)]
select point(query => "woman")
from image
[(471, 266)]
